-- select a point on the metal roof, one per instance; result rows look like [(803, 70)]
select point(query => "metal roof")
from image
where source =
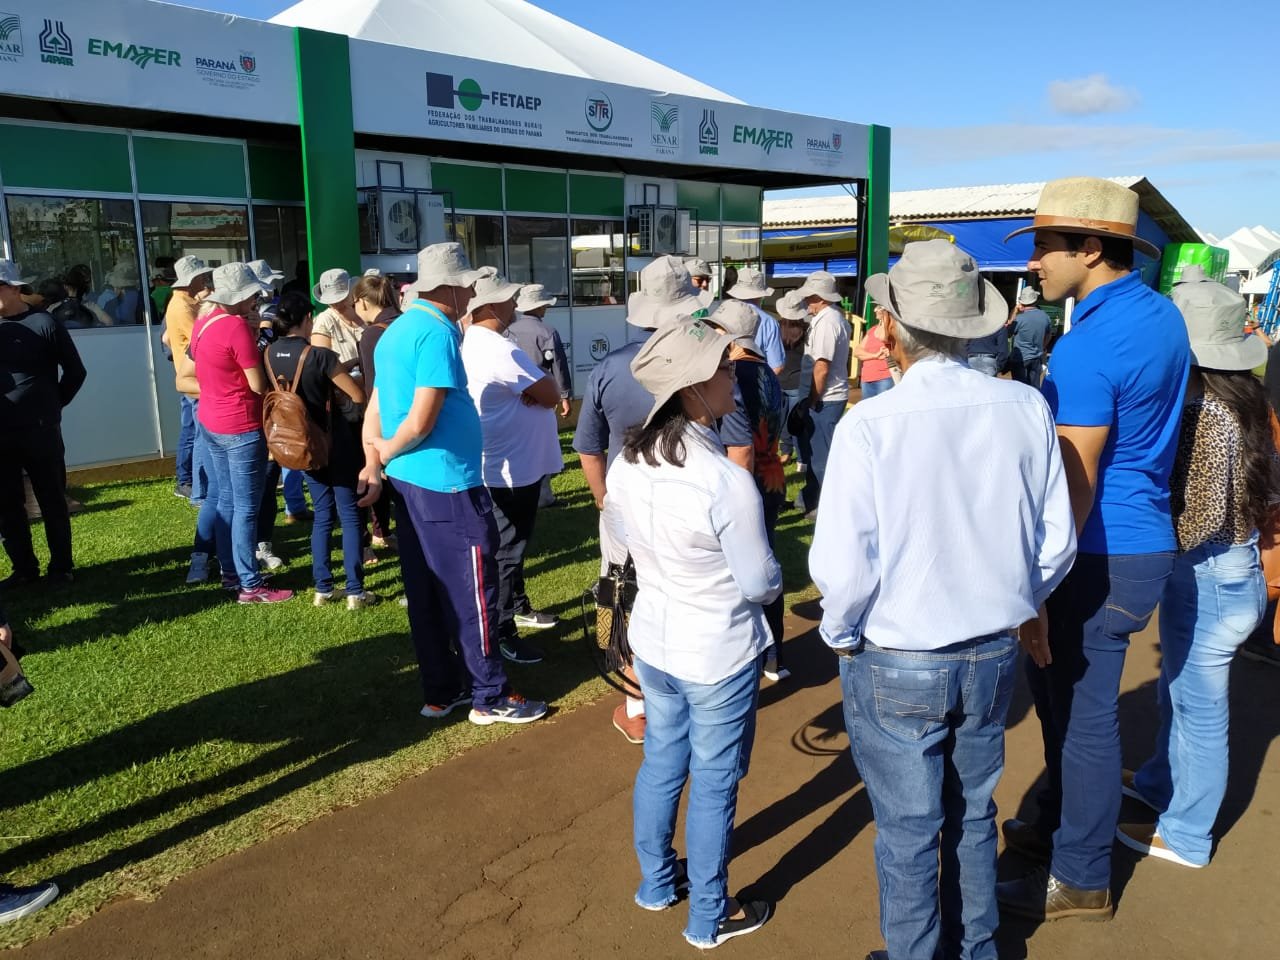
[(962, 203)]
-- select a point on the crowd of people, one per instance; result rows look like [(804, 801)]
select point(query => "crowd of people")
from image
[(959, 517)]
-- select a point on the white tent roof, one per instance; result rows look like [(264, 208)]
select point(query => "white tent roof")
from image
[(500, 31), (1261, 284)]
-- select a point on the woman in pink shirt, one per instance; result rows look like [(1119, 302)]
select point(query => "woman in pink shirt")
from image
[(874, 373), (229, 371)]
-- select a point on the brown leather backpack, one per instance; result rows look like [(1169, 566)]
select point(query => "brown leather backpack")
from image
[(294, 440)]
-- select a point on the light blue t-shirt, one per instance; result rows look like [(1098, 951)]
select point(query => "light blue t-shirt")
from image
[(769, 339), (1124, 366), (421, 349)]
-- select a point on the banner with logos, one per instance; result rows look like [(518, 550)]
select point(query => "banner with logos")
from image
[(398, 91), (153, 56)]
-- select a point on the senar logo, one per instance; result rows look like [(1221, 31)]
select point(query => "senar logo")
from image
[(138, 55), (764, 138)]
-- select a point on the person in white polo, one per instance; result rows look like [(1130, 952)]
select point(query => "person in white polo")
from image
[(824, 378)]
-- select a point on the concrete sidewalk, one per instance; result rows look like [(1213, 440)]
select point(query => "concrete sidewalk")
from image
[(521, 849)]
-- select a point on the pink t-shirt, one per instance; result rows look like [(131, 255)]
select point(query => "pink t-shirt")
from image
[(223, 347), (873, 370)]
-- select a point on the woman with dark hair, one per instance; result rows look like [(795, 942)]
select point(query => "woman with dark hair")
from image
[(317, 370), (1223, 485), (377, 304), (693, 524)]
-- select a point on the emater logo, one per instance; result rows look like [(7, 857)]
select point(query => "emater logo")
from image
[(764, 138), (138, 55)]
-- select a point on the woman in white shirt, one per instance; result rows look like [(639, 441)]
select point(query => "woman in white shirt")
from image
[(693, 524)]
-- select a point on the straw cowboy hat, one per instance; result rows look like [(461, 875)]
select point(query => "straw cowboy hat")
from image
[(936, 287), (1089, 206), (681, 354), (1215, 317), (666, 294)]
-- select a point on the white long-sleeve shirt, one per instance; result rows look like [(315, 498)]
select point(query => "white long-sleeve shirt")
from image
[(945, 514), (703, 563)]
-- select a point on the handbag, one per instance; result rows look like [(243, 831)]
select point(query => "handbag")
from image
[(13, 684), (612, 596)]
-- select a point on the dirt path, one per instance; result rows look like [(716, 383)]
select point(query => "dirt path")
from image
[(522, 850)]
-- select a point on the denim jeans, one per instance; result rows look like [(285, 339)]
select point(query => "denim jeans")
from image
[(703, 733), (786, 442), (295, 499), (984, 363), (1101, 602), (1212, 602), (927, 733), (239, 465), (817, 447), (186, 438), (336, 503), (1029, 370), (873, 388), (210, 538)]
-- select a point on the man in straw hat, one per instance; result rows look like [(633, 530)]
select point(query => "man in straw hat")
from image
[(1031, 327), (1115, 385), (944, 525), (192, 283), (824, 378), (515, 400), (40, 373), (421, 426), (750, 288), (614, 402)]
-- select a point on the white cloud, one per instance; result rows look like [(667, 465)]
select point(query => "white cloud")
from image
[(1089, 95)]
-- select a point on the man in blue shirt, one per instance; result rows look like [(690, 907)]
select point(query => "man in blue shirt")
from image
[(423, 429), (1115, 385), (750, 288), (1030, 333)]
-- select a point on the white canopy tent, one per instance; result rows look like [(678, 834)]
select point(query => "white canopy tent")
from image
[(501, 31), (1259, 285)]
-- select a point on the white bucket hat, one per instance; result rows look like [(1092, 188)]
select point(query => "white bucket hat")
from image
[(698, 267), (681, 354), (334, 286), (234, 283), (666, 294), (1215, 324), (820, 284), (533, 296), (739, 321), (187, 269), (264, 272), (936, 287), (750, 285), (445, 265), (490, 290), (1192, 273), (372, 272), (791, 306), (123, 275), (1028, 296), (10, 276)]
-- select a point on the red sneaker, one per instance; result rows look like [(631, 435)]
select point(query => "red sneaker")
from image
[(264, 594)]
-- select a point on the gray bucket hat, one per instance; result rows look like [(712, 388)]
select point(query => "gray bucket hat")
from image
[(264, 272), (681, 354), (11, 277), (490, 290), (1028, 296), (1192, 273), (739, 321), (1215, 317), (698, 267), (791, 306), (820, 284), (750, 285), (187, 269), (334, 286), (666, 294), (446, 265), (534, 296), (234, 283), (936, 287)]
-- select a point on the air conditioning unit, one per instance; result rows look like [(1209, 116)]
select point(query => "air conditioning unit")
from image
[(397, 221), (658, 230)]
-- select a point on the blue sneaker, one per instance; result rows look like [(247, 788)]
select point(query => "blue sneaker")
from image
[(17, 902), (510, 708)]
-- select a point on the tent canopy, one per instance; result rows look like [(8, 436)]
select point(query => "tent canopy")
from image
[(499, 31)]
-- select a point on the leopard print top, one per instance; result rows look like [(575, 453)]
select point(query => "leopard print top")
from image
[(1206, 487)]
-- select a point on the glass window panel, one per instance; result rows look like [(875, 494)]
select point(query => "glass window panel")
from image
[(538, 252), (704, 241), (280, 235), (91, 245), (480, 235), (741, 245), (599, 256)]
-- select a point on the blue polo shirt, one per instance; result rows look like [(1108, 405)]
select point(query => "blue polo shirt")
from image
[(422, 349), (1124, 366), (613, 403)]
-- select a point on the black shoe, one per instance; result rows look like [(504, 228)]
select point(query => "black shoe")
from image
[(1027, 839), (755, 914), (183, 491), (20, 580), (532, 619), (60, 578), (520, 651)]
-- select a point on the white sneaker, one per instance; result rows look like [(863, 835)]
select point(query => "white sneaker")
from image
[(198, 572), (267, 557), (774, 672), (320, 599), (357, 601)]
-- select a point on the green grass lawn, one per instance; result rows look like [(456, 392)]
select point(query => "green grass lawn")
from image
[(171, 726)]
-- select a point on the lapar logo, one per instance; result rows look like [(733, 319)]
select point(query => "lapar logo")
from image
[(763, 137), (10, 37), (599, 111), (136, 54), (55, 44), (709, 134), (441, 93), (665, 126)]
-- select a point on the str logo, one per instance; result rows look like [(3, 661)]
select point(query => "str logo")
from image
[(139, 56), (10, 37), (709, 134), (599, 111), (599, 348), (55, 45), (665, 125), (441, 93)]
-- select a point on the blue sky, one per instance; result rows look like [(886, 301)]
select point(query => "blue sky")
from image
[(994, 91)]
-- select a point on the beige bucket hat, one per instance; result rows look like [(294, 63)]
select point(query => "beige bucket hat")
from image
[(265, 272), (1215, 317), (1090, 206), (739, 321), (750, 286), (187, 269), (234, 283), (534, 296), (1192, 273), (446, 265), (936, 287), (1028, 296), (820, 284), (334, 286), (666, 294), (681, 354), (490, 290), (791, 306)]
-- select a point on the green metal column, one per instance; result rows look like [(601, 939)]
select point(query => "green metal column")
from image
[(875, 227), (323, 62)]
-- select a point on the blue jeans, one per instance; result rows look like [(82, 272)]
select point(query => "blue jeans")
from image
[(873, 388), (295, 500), (1213, 601), (239, 464), (703, 733), (1101, 602), (816, 449), (985, 363), (335, 503), (927, 732), (186, 438), (204, 490), (786, 442)]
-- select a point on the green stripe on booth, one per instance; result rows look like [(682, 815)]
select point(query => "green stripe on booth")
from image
[(473, 188), (189, 168), (596, 196), (56, 159), (537, 191)]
